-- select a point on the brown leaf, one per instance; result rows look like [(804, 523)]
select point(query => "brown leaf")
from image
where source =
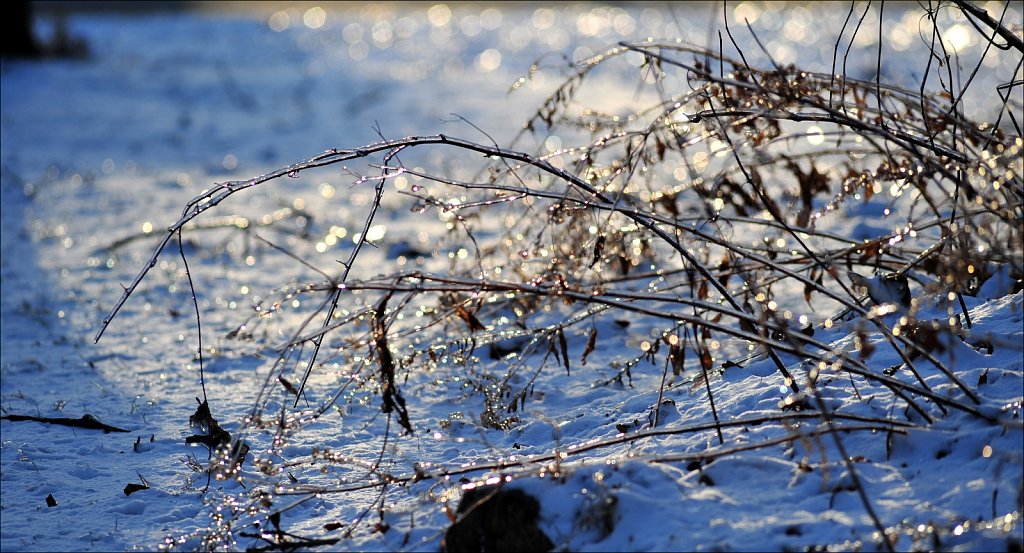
[(471, 321), (706, 362), (869, 192), (868, 252), (677, 353), (723, 267), (668, 201), (564, 346), (288, 385), (598, 249), (803, 216), (391, 397), (591, 344), (866, 348), (811, 183)]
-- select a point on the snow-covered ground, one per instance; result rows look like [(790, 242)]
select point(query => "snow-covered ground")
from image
[(99, 155)]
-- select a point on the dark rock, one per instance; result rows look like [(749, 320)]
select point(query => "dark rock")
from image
[(17, 30), (492, 519)]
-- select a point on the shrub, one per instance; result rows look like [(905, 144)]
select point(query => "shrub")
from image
[(723, 224)]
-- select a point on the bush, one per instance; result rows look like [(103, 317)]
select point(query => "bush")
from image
[(744, 219)]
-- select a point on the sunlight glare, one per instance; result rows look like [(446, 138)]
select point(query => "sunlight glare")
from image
[(279, 21), (315, 17), (815, 135), (958, 37), (439, 15), (489, 60), (746, 11)]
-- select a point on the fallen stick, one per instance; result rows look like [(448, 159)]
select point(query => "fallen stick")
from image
[(86, 421)]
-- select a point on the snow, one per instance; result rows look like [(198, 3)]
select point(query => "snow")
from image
[(100, 155)]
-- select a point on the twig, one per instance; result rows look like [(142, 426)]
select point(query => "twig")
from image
[(199, 322), (1006, 34)]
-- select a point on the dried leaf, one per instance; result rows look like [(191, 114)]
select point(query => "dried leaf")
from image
[(216, 438), (471, 321), (598, 250), (288, 386), (706, 362), (677, 355), (868, 252), (391, 398), (668, 201), (866, 348), (723, 267), (811, 183), (132, 488), (591, 344), (803, 216), (202, 420), (554, 350), (564, 345)]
